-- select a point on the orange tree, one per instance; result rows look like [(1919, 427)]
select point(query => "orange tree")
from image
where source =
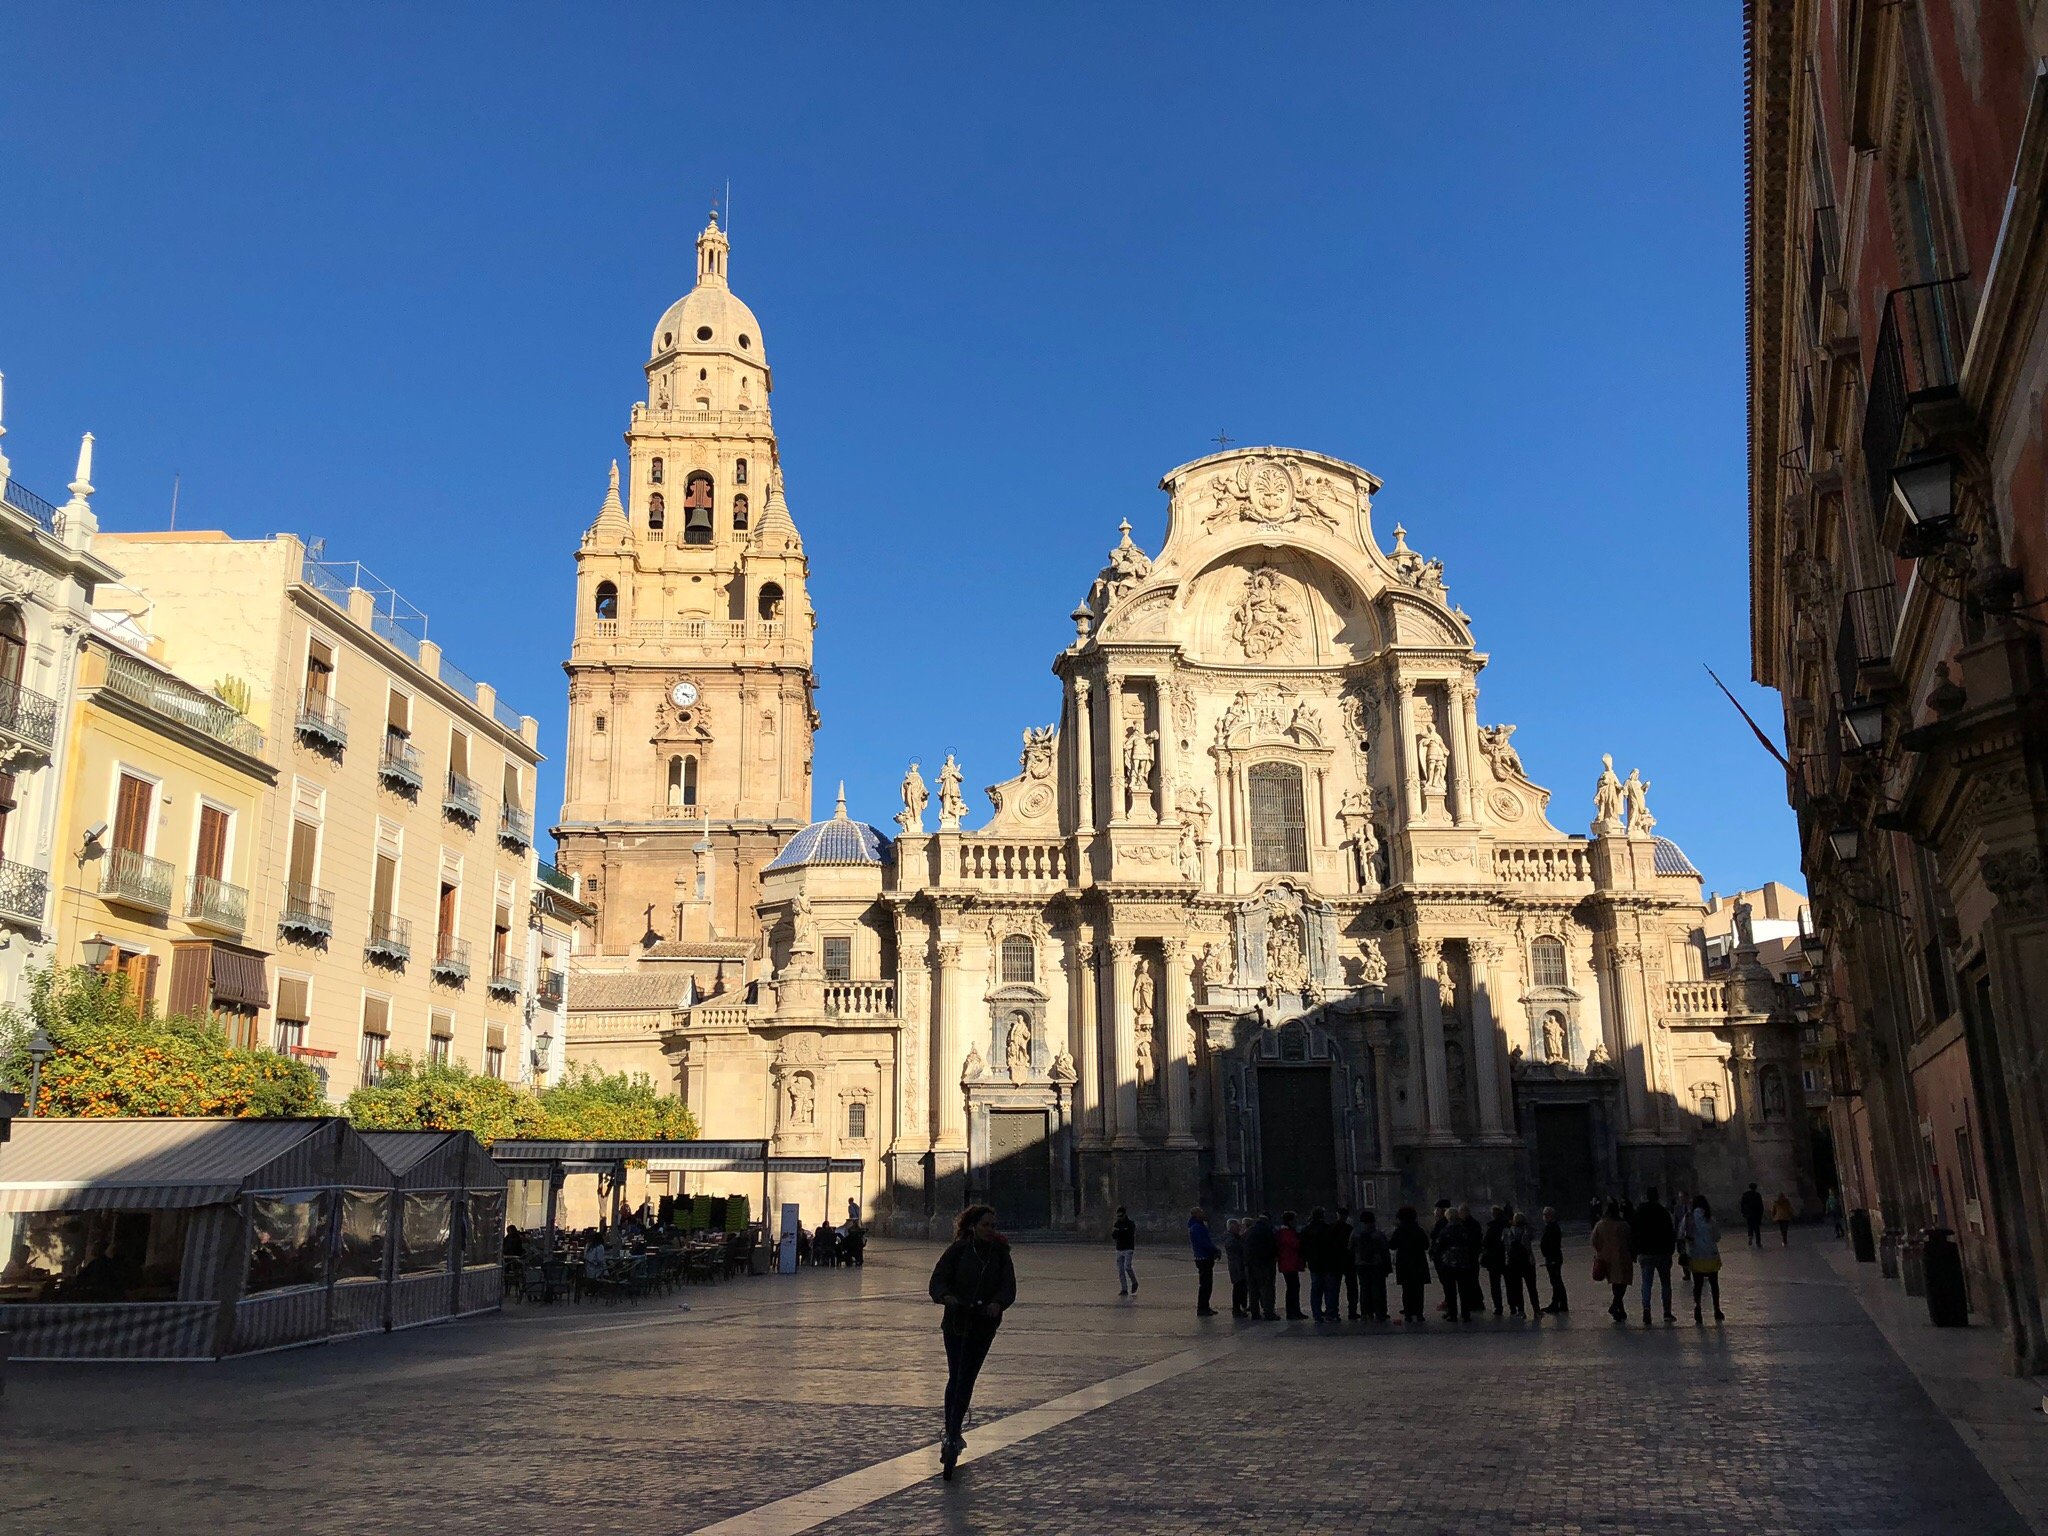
[(586, 1106), (113, 1058)]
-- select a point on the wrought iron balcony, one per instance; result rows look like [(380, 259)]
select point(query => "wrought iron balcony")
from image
[(214, 903), (400, 763), (27, 717), (25, 501), (515, 827), (551, 877), (550, 990), (506, 980), (23, 891), (323, 719), (390, 939), (1918, 361), (136, 880), (308, 911), (451, 959), (462, 798), (1863, 643), (164, 695)]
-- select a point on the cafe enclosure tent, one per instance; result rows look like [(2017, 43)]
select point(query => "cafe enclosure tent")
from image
[(450, 1228)]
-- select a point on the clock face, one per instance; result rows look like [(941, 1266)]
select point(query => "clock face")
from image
[(684, 694)]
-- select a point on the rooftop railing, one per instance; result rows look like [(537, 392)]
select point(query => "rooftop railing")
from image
[(165, 695)]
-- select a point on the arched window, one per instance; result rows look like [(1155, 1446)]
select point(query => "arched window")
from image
[(739, 472), (13, 647), (1546, 962), (657, 512), (654, 473), (1279, 825), (769, 603), (1020, 960), (739, 514), (607, 600), (682, 783), (697, 508), (857, 1120)]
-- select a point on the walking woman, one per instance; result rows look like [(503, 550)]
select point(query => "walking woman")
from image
[(1614, 1258), (1703, 1241), (1781, 1213), (976, 1283), (1410, 1247)]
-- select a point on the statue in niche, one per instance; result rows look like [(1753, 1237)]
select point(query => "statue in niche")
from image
[(1212, 969), (802, 1102), (1146, 1068), (1063, 1069), (1446, 987), (1432, 756), (1636, 793), (1285, 969), (1141, 751), (1358, 1099), (1773, 1094), (1507, 762), (1141, 1001), (915, 798), (1373, 965), (1454, 1070), (1553, 1037), (1018, 1053), (1607, 798), (805, 941), (1264, 623), (972, 1068), (951, 806), (1362, 838)]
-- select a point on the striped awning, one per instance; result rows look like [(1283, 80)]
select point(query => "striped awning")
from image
[(100, 1165), (673, 1156)]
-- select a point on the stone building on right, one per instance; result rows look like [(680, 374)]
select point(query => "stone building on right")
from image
[(1898, 267)]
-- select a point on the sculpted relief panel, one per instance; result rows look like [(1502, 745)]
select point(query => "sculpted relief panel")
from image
[(1260, 607)]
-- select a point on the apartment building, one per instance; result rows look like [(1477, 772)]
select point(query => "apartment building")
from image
[(394, 854)]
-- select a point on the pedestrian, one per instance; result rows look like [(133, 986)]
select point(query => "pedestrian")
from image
[(1261, 1254), (1614, 1258), (1682, 1209), (1448, 1307), (1781, 1213), (1753, 1215), (1325, 1261), (1655, 1241), (1233, 1260), (1704, 1239), (1520, 1244), (1493, 1254), (1370, 1261), (1596, 1210), (1342, 1231), (1206, 1254), (1409, 1245), (1553, 1261), (1835, 1211), (1124, 1233), (1456, 1251), (976, 1282), (1288, 1256)]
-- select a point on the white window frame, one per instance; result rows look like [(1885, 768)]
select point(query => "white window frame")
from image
[(155, 817)]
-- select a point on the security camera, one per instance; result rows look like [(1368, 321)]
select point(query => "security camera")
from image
[(96, 831)]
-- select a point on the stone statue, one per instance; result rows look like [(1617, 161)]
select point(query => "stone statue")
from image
[(1362, 838), (972, 1068), (1141, 1001), (1636, 792), (1446, 986), (1607, 800), (1285, 969), (1598, 1057), (1454, 1070), (1745, 926), (1018, 1053), (1036, 758), (1432, 756), (1128, 567), (1373, 969), (805, 941), (1774, 1095), (1553, 1037), (1063, 1068), (802, 1108), (1358, 1094), (1507, 762), (951, 806), (1144, 1059), (1141, 751), (1263, 622), (1212, 969), (915, 797)]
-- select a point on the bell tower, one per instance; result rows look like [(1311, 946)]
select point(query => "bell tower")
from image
[(690, 683)]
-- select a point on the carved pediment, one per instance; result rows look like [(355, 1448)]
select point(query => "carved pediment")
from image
[(1279, 716)]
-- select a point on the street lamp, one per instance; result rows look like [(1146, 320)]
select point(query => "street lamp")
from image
[(1847, 843), (1924, 489), (1865, 721), (95, 952), (543, 1053), (40, 1049)]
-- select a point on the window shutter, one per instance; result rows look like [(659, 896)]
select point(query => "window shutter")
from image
[(131, 815), (191, 978), (441, 1025), (494, 1037), (213, 842), (376, 1015), (305, 850), (386, 887), (292, 997)]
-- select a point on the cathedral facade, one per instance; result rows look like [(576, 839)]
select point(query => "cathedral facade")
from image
[(1267, 917)]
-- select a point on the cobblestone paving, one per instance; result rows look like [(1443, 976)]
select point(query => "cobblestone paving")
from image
[(1793, 1417)]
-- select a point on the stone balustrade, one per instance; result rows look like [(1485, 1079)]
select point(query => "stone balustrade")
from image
[(1541, 863), (1698, 999), (696, 631), (1030, 863), (861, 999)]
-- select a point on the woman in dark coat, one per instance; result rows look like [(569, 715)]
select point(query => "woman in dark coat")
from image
[(1410, 1246), (976, 1282)]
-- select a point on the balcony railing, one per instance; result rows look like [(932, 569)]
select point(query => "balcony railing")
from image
[(26, 501), (400, 763), (462, 798), (1863, 643), (164, 695), (323, 718), (505, 978), (860, 999), (390, 938), (451, 958), (307, 910), (515, 827), (551, 877), (1919, 356), (29, 717), (550, 989), (23, 890), (137, 880), (216, 904)]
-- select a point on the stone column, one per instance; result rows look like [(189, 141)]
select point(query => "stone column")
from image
[(1084, 756), (1123, 1065), (1382, 1042), (1163, 768), (951, 1033), (1436, 1102), (1459, 737), (1404, 735), (1632, 1030), (913, 1007), (1113, 746), (1179, 1046), (1084, 987), (1486, 1049)]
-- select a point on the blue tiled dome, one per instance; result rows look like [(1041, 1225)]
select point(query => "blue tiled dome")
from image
[(1671, 859), (838, 841)]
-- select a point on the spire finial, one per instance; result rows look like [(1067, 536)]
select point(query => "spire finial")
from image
[(82, 486), (5, 468), (839, 811), (615, 477)]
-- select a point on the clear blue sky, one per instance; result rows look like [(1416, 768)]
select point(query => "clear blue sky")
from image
[(386, 273)]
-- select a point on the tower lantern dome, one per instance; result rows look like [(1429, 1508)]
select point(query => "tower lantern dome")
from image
[(709, 320)]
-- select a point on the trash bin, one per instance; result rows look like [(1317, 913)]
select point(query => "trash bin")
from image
[(1913, 1266), (1860, 1237), (1948, 1297), (1888, 1255)]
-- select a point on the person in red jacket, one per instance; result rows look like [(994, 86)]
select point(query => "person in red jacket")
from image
[(1288, 1241)]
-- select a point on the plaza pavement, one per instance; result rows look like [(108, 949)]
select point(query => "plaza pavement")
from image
[(780, 1405)]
